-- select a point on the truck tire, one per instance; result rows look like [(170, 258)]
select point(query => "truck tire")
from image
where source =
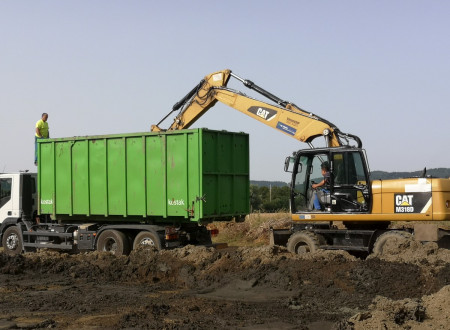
[(113, 241), (146, 239), (303, 242), (12, 242), (389, 236)]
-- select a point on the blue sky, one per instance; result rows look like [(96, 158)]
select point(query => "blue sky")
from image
[(376, 69)]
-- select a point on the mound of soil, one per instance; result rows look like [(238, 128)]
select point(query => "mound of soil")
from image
[(414, 252), (428, 312), (204, 288)]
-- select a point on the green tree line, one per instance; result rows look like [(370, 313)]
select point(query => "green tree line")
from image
[(269, 198)]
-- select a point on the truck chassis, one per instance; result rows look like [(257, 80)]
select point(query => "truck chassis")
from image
[(118, 239)]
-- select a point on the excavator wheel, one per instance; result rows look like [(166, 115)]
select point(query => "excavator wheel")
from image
[(396, 236), (304, 242)]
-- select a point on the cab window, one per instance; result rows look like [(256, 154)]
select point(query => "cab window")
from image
[(351, 192), (5, 191), (348, 169)]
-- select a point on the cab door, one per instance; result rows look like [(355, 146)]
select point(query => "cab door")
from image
[(307, 172), (6, 198)]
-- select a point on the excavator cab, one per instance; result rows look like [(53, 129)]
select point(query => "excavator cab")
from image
[(346, 191)]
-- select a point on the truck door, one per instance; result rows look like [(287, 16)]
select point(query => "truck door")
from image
[(6, 200)]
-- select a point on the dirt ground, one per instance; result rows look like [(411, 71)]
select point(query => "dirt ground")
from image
[(237, 287)]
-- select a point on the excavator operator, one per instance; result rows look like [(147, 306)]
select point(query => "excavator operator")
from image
[(321, 195)]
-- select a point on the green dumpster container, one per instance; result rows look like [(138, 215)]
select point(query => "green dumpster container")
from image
[(195, 175)]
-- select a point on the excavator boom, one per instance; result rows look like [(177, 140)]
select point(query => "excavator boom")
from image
[(283, 115)]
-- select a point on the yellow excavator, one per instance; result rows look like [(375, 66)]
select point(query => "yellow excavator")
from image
[(343, 192)]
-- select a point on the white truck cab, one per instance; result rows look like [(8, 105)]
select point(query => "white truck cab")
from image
[(18, 198)]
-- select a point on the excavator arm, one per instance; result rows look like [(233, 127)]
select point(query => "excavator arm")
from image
[(283, 115)]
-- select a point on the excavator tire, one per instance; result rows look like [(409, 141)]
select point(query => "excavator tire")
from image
[(389, 236), (303, 242), (114, 242)]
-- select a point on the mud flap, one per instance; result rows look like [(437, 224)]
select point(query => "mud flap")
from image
[(279, 236)]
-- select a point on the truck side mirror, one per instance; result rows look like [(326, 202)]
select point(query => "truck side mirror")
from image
[(289, 164)]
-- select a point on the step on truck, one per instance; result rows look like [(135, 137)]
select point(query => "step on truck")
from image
[(116, 193)]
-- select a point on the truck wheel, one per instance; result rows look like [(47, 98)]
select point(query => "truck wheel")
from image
[(389, 236), (11, 241), (146, 239), (303, 242), (113, 241)]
